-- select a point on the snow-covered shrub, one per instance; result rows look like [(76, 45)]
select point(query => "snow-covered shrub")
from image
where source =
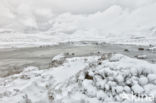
[(108, 81)]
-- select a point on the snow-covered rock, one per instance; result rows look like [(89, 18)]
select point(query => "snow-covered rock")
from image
[(153, 49), (57, 60), (127, 89), (59, 57), (141, 56)]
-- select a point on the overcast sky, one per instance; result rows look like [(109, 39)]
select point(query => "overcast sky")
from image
[(14, 13)]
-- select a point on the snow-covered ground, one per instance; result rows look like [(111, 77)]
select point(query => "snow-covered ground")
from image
[(17, 39), (106, 78), (47, 22), (95, 79)]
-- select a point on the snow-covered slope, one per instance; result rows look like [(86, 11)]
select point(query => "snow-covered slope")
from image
[(95, 79)]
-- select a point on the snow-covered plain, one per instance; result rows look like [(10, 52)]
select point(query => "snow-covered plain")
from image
[(95, 79), (47, 22)]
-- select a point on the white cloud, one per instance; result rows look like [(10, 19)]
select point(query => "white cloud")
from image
[(103, 14)]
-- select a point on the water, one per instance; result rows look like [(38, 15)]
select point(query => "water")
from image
[(13, 60)]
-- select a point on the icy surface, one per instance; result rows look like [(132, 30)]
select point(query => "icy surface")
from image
[(94, 79)]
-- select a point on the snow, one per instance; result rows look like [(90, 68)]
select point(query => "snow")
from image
[(119, 79), (143, 80), (141, 56), (78, 80), (152, 77), (127, 89), (91, 79), (71, 68), (58, 57), (137, 89), (152, 49)]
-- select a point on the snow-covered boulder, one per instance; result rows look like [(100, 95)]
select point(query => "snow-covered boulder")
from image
[(153, 49), (141, 56), (57, 60)]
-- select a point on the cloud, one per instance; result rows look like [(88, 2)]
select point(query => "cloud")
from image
[(41, 14)]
